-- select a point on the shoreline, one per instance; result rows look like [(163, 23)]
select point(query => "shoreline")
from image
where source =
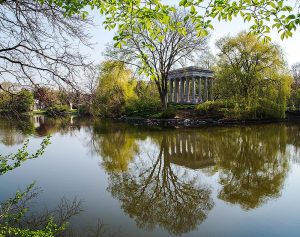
[(193, 123)]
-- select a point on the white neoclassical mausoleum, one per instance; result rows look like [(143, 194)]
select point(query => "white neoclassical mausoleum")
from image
[(190, 85)]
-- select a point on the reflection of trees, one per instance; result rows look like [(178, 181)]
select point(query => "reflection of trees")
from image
[(61, 125), (14, 131), (253, 164), (154, 192), (294, 142), (252, 161), (116, 144)]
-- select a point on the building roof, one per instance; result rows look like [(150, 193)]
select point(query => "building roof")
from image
[(191, 71)]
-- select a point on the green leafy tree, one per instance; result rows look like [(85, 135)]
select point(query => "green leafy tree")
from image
[(19, 102), (115, 90), (131, 17), (23, 102), (254, 75), (120, 13), (156, 51)]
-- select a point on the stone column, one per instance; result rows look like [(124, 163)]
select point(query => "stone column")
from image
[(199, 91), (171, 90), (205, 89), (193, 90), (176, 91), (181, 89), (211, 89), (187, 89)]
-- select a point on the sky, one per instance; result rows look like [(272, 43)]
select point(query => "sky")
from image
[(291, 46)]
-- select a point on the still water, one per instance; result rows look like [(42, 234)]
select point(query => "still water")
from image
[(137, 181)]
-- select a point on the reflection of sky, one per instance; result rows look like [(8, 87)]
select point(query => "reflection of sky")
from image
[(101, 37)]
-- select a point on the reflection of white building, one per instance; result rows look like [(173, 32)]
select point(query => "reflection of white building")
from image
[(38, 120)]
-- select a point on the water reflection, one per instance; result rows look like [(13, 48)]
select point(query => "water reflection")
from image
[(251, 162), (106, 135), (14, 133), (160, 176), (153, 192)]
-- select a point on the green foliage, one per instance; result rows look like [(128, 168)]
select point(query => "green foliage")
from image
[(23, 101), (49, 231), (14, 209), (57, 110), (264, 108), (147, 101), (115, 90), (218, 105), (121, 14), (170, 112), (220, 108), (12, 161), (259, 13), (253, 75), (294, 101), (16, 103)]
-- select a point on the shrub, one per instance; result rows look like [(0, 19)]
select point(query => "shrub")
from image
[(147, 101), (215, 106), (270, 109), (57, 110), (170, 112), (142, 106), (84, 110)]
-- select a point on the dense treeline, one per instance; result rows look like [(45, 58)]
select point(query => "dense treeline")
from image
[(17, 100), (252, 80)]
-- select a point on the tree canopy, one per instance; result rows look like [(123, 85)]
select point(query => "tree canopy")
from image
[(115, 89), (253, 74), (120, 13), (39, 45), (157, 51)]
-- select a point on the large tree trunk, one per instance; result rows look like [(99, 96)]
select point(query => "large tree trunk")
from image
[(164, 100), (163, 92)]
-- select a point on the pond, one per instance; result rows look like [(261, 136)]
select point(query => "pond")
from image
[(138, 181)]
